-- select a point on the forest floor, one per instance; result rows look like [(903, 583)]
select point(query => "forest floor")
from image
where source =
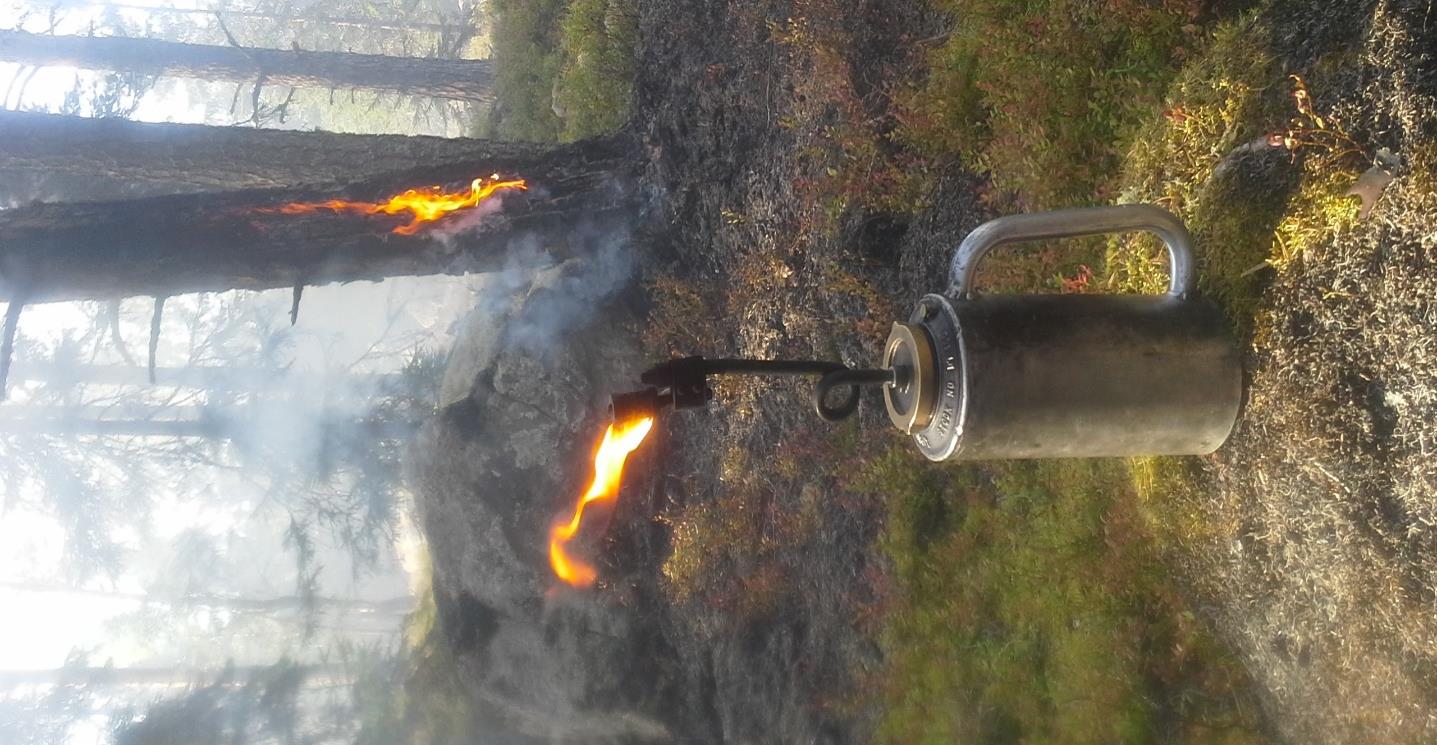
[(814, 163)]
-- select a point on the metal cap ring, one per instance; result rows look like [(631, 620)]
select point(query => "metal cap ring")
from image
[(910, 399)]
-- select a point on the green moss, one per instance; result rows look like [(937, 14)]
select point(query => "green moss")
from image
[(597, 79), (564, 69), (1205, 159), (1031, 608), (527, 61), (1043, 94)]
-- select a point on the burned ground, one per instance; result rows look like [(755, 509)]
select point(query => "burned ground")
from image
[(1318, 552), (776, 573)]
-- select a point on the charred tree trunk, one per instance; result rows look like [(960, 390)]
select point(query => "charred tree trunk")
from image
[(390, 607), (207, 377), (165, 677), (189, 422), (350, 21), (162, 246), (468, 80), (92, 159)]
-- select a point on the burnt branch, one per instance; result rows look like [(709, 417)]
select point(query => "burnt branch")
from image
[(119, 341), (20, 94), (14, 79), (229, 37), (155, 335), (294, 304), (7, 344), (282, 110)]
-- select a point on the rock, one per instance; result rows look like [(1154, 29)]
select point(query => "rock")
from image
[(526, 392)]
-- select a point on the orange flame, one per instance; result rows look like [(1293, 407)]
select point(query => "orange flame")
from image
[(618, 442), (426, 205)]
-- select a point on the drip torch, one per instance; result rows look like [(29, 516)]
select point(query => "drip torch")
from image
[(972, 376)]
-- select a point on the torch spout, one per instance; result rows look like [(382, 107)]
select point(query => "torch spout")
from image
[(683, 383)]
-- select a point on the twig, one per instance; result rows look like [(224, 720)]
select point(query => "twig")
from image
[(254, 99), (283, 109), (1255, 269), (20, 94), (294, 305), (19, 71), (155, 334), (7, 345), (226, 29), (234, 101), (115, 334)]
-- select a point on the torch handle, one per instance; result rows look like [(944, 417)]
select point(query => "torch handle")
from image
[(683, 383), (1072, 223)]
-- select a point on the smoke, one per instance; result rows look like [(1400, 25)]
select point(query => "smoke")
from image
[(564, 295), (558, 277), (299, 464)]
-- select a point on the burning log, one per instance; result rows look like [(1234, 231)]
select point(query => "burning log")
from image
[(426, 205), (573, 195)]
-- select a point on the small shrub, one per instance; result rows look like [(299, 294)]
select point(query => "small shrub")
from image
[(1242, 156), (596, 82), (527, 61), (1029, 607), (1043, 95)]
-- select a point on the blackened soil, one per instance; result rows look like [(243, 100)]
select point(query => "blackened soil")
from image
[(777, 650)]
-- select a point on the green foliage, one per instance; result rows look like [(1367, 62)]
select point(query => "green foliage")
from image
[(1202, 159), (1030, 607), (527, 61), (563, 70), (413, 695), (597, 80), (263, 707), (1041, 94)]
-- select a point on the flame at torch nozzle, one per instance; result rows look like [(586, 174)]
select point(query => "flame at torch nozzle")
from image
[(622, 438)]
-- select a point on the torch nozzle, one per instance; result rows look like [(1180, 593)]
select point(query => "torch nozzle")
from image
[(625, 407), (683, 383)]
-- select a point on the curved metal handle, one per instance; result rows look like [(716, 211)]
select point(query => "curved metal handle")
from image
[(1073, 223)]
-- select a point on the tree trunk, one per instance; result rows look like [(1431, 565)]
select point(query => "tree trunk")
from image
[(579, 197), (360, 22), (179, 422), (163, 677), (217, 378), (395, 606), (468, 80), (62, 425), (94, 159)]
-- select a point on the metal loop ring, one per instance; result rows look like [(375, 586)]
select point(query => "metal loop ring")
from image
[(851, 378)]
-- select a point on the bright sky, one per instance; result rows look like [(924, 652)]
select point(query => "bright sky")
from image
[(340, 322), (40, 629), (350, 318)]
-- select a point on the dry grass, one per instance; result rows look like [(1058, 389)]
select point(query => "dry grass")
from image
[(1326, 570), (1311, 534), (1308, 541)]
